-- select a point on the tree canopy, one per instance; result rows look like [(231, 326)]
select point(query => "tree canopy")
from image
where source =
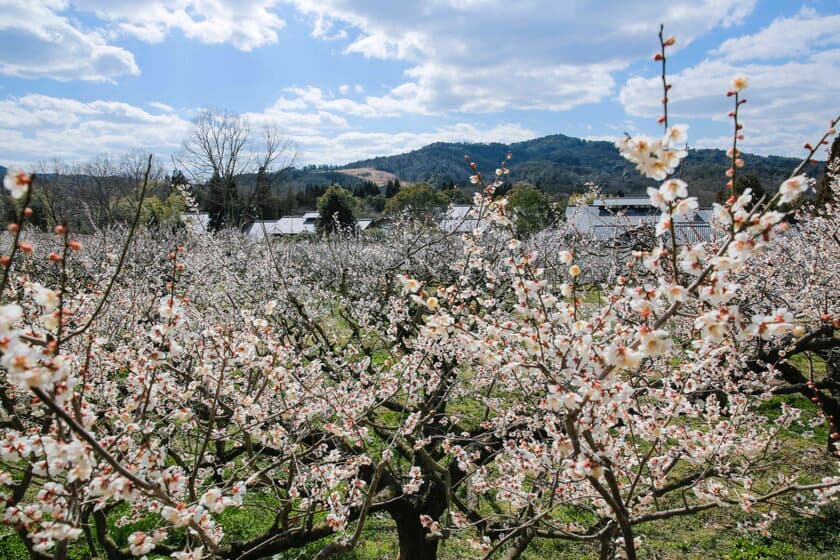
[(420, 201), (532, 209), (337, 207)]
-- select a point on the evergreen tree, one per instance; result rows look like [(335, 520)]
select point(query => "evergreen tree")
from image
[(265, 203), (376, 203), (337, 207), (504, 188), (532, 209), (365, 189), (392, 188), (223, 203), (178, 178), (369, 188), (421, 200), (742, 183)]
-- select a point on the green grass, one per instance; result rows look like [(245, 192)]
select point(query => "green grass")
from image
[(710, 535)]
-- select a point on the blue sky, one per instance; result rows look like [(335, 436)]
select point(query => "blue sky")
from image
[(347, 79)]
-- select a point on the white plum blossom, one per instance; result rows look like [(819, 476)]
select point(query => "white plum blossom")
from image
[(446, 384), (791, 189), (673, 189), (740, 83), (17, 182)]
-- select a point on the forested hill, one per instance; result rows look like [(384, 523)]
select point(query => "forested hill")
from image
[(563, 164)]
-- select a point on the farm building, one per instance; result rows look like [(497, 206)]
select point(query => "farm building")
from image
[(610, 218), (292, 225)]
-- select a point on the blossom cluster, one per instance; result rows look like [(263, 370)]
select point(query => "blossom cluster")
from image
[(465, 386)]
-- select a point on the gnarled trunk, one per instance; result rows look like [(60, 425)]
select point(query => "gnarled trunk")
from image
[(412, 536), (406, 514)]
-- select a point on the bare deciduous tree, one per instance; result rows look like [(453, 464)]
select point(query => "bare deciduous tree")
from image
[(222, 146), (90, 195)]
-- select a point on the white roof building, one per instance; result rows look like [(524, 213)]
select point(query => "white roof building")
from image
[(461, 218), (293, 225), (610, 218)]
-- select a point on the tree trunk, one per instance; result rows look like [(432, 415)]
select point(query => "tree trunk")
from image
[(412, 536)]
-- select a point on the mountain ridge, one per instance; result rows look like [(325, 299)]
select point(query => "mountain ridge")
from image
[(563, 164)]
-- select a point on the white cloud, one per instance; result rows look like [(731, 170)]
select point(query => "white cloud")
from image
[(785, 38), (39, 127), (36, 42), (40, 39), (298, 123), (161, 106), (314, 97), (488, 56), (355, 145), (324, 29), (790, 100), (245, 24)]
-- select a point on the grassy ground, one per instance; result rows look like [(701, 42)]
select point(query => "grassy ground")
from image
[(710, 535), (707, 536)]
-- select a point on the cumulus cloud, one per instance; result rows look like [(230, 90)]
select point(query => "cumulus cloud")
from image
[(356, 144), (36, 42), (785, 38), (39, 39), (485, 56), (245, 24), (794, 79), (40, 127)]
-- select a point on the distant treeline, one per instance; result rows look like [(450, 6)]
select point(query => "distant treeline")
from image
[(104, 191), (562, 164)]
